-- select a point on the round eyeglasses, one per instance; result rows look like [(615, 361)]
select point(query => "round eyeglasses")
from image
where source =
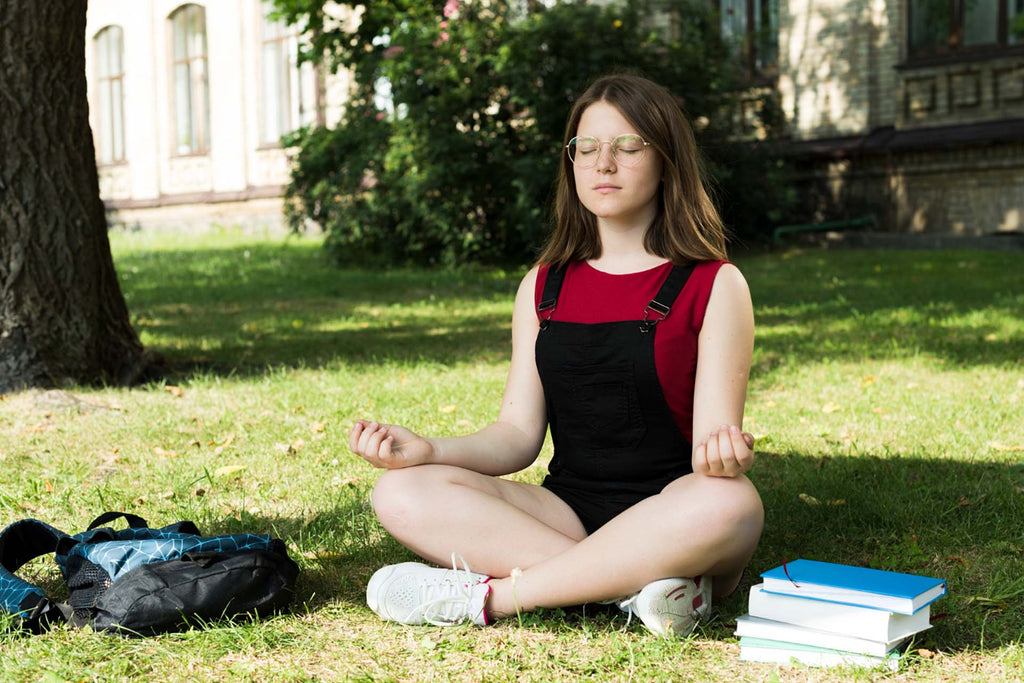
[(628, 150)]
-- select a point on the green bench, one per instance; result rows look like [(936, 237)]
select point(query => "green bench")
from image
[(780, 232)]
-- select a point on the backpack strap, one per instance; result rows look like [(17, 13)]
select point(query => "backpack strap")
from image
[(134, 521), (19, 543)]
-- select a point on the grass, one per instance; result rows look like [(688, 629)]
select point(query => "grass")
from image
[(887, 394)]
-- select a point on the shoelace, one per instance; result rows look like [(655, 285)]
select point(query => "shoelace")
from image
[(446, 601), (627, 607)]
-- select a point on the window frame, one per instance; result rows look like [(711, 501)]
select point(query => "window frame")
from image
[(750, 48), (196, 70), (290, 81), (953, 49), (107, 83)]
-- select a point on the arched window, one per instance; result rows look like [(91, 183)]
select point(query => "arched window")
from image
[(191, 95), (109, 47), (288, 89)]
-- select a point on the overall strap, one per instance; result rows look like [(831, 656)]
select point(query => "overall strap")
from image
[(661, 304), (19, 543), (549, 295)]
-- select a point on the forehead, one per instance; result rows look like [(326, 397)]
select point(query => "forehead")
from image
[(603, 120)]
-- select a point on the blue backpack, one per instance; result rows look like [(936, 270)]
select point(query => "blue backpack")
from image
[(140, 581)]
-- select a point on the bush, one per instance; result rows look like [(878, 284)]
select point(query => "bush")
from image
[(457, 162)]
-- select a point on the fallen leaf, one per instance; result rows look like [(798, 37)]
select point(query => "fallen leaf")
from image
[(48, 486), (284, 448), (164, 454), (228, 439), (995, 445), (830, 407), (449, 409), (963, 502), (810, 500), (227, 469), (870, 379), (319, 427), (924, 653), (176, 392)]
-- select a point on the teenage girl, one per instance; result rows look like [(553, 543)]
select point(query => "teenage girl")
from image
[(632, 340)]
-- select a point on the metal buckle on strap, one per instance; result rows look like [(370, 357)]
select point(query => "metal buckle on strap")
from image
[(659, 309), (549, 307)]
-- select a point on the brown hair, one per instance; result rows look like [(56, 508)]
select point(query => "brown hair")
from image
[(687, 226)]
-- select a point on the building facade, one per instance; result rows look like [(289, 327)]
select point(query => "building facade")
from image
[(188, 103), (908, 111)]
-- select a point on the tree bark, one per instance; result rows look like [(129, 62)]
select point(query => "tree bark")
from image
[(63, 318)]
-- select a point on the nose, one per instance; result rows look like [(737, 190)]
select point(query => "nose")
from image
[(605, 159)]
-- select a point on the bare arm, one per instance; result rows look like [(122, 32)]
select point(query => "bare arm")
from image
[(508, 445), (724, 350)]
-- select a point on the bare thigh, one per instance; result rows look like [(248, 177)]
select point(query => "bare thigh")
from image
[(433, 484)]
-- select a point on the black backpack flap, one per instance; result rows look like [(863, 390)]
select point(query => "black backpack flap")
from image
[(163, 596)]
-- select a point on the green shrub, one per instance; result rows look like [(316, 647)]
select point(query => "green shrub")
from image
[(458, 163)]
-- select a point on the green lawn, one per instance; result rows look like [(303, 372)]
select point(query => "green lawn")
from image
[(887, 395)]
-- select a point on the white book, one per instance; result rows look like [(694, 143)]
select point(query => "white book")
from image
[(834, 617), (767, 629), (774, 652)]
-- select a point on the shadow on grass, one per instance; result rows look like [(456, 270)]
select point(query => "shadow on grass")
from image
[(960, 521), (245, 309), (851, 305), (957, 520)]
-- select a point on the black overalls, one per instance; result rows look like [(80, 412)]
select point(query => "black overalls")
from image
[(615, 439)]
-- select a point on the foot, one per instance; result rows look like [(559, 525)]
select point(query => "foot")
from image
[(415, 594), (670, 607)]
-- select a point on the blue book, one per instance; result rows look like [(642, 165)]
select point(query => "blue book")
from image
[(849, 585)]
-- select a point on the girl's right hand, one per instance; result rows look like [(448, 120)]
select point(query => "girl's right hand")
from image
[(388, 446)]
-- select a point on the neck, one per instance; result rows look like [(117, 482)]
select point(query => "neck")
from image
[(622, 249)]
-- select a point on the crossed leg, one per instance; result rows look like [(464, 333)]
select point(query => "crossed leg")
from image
[(697, 525)]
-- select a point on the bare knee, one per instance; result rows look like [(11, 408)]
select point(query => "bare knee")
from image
[(395, 498), (725, 514), (410, 498)]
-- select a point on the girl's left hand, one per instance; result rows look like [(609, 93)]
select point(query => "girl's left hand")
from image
[(726, 452)]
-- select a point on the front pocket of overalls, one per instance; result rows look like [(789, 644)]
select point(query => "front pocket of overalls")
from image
[(607, 408)]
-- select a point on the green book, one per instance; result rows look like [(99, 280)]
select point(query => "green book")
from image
[(780, 652)]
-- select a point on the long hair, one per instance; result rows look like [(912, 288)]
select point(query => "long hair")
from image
[(687, 226)]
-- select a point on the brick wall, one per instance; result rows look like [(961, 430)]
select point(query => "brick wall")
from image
[(844, 77)]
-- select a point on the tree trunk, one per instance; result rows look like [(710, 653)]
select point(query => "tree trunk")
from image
[(63, 318)]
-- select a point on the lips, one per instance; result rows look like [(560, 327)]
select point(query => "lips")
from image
[(606, 187)]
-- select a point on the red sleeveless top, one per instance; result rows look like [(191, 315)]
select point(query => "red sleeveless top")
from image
[(592, 296)]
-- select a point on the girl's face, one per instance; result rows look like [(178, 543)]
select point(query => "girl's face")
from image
[(618, 191)]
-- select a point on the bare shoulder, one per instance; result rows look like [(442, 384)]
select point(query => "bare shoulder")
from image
[(527, 287), (730, 302), (730, 279)]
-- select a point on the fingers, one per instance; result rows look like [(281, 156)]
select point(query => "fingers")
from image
[(726, 452), (371, 441)]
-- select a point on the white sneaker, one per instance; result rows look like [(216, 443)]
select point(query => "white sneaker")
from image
[(415, 594), (670, 607)]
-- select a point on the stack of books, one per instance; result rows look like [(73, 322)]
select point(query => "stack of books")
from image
[(824, 614)]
